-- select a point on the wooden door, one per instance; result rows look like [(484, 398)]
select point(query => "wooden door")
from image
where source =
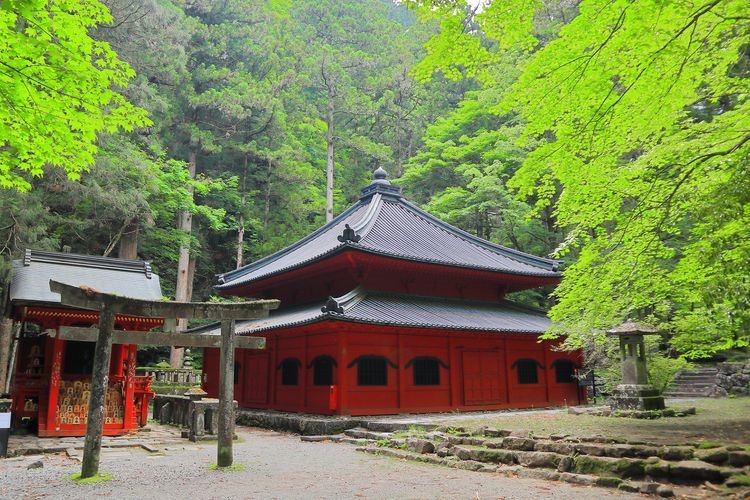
[(482, 377), (255, 379)]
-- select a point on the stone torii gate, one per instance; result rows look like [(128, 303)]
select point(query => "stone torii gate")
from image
[(109, 305)]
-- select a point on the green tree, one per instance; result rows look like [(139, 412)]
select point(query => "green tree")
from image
[(638, 118), (57, 88)]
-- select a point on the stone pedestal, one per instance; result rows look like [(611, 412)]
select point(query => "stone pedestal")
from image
[(636, 397)]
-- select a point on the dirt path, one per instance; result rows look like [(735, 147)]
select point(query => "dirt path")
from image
[(277, 466)]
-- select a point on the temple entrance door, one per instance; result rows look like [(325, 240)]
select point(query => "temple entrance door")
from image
[(483, 380), (255, 379)]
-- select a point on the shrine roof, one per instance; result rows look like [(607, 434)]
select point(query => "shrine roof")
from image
[(129, 278), (362, 306), (382, 222)]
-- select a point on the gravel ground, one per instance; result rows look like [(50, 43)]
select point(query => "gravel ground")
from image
[(276, 466)]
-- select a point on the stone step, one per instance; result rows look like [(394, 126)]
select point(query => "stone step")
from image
[(388, 426), (360, 433), (676, 394)]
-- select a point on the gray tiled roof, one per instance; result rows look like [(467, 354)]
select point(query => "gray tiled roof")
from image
[(362, 306), (386, 224), (128, 278)]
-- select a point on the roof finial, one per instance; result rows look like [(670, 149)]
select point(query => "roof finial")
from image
[(380, 174), (380, 184)]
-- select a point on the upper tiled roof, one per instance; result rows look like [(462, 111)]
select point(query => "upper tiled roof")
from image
[(128, 278), (382, 222), (361, 306)]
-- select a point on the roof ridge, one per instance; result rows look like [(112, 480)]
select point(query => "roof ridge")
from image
[(92, 261), (238, 273), (365, 224), (518, 255)]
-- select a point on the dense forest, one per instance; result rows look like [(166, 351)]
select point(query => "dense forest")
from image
[(202, 135)]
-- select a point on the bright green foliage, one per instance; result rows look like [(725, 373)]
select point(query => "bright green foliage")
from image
[(643, 112), (636, 119), (56, 88)]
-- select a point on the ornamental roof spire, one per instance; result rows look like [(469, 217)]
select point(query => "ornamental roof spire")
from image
[(380, 184)]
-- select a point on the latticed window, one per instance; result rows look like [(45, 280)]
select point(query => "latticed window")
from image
[(290, 371), (426, 371), (323, 370), (564, 371), (372, 371), (527, 371)]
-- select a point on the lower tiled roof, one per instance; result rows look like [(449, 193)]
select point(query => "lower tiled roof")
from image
[(361, 306)]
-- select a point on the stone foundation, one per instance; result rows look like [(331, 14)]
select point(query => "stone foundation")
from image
[(636, 397)]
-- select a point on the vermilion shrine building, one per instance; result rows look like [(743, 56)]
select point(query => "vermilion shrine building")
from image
[(387, 309), (51, 380)]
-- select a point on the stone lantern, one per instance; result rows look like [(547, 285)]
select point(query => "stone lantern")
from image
[(634, 393)]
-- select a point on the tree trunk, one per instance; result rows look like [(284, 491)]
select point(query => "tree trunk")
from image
[(182, 285), (267, 200), (6, 338), (329, 158), (129, 242), (241, 221)]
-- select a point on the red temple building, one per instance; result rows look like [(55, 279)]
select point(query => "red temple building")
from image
[(387, 309), (51, 380)]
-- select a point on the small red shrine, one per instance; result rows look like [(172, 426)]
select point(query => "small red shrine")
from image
[(52, 377), (387, 309)]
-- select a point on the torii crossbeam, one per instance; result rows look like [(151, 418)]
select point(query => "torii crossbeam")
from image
[(109, 305)]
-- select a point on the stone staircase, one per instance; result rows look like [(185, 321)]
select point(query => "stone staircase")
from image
[(698, 383), (592, 461)]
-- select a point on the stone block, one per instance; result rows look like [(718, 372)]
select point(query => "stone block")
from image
[(608, 482), (555, 447), (695, 470), (518, 443), (590, 449), (582, 479), (493, 455), (565, 465), (676, 452), (421, 446), (664, 491), (538, 459), (738, 458), (713, 455), (606, 466), (659, 468)]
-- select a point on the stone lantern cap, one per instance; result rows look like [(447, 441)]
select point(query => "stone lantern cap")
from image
[(195, 393), (630, 327)]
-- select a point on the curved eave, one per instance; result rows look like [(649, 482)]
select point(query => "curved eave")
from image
[(223, 288), (237, 274), (329, 316)]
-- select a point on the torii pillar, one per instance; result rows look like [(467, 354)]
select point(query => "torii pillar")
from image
[(634, 393), (108, 306)]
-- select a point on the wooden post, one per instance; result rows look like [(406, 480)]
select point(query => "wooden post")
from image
[(226, 395), (99, 380)]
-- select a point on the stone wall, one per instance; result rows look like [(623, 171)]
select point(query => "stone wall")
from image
[(733, 378)]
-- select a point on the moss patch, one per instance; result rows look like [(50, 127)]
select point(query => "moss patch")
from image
[(707, 445), (98, 478), (739, 480), (235, 467)]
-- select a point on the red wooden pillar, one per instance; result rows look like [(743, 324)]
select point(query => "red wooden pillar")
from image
[(128, 416), (343, 361), (119, 355), (58, 348), (508, 372), (273, 361), (545, 346), (303, 369), (455, 375), (400, 371)]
